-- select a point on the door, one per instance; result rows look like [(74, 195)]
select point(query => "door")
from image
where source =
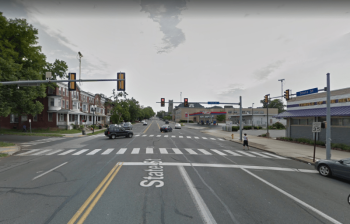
[(342, 169)]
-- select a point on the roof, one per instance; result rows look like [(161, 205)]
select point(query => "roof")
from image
[(212, 113), (318, 112)]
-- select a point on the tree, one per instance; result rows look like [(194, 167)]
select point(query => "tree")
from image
[(21, 59), (221, 117), (276, 103)]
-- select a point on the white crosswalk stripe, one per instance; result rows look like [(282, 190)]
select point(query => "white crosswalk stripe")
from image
[(135, 151), (205, 152), (177, 151), (188, 136), (163, 151), (196, 137), (137, 135), (204, 138), (151, 135), (181, 136), (144, 135), (54, 152), (247, 154), (107, 151), (66, 152), (233, 153), (190, 151), (122, 151), (80, 152), (221, 139), (158, 135), (218, 152), (173, 136), (212, 138), (165, 136)]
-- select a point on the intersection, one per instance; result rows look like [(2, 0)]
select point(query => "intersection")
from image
[(150, 179)]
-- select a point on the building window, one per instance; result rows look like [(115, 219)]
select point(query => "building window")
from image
[(50, 116), (63, 103), (84, 107), (77, 95), (14, 118), (295, 121), (59, 102), (50, 90), (310, 121), (303, 121), (90, 118), (336, 121), (24, 118), (67, 104), (346, 121), (35, 117), (61, 117), (66, 92), (59, 91), (52, 102)]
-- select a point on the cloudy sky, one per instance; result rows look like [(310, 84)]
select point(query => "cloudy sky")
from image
[(208, 50)]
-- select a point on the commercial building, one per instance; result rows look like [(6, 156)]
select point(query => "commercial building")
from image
[(250, 116), (302, 111), (62, 109)]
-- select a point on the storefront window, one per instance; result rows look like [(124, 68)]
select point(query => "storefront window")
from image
[(310, 121), (322, 119), (346, 121), (336, 121), (303, 121), (295, 121)]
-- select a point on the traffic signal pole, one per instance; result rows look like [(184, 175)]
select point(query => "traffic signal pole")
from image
[(240, 118)]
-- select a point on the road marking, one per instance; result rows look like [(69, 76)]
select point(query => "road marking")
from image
[(122, 151), (54, 152), (137, 135), (221, 139), (30, 151), (42, 151), (190, 151), (204, 138), (66, 152), (163, 151), (165, 136), (294, 198), (135, 151), (93, 152), (149, 150), (202, 208), (173, 136), (196, 137), (247, 154), (158, 135), (49, 171), (188, 136), (105, 183), (107, 151), (80, 152), (260, 154), (148, 127), (212, 138), (205, 152), (273, 155), (151, 135), (180, 136), (177, 151), (233, 153), (218, 152), (144, 135)]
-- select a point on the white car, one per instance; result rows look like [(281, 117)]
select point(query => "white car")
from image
[(177, 125), (144, 123)]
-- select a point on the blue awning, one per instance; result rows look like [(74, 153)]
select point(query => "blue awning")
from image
[(318, 112)]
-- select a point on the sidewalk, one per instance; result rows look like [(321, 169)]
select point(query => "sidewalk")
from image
[(10, 149), (291, 150)]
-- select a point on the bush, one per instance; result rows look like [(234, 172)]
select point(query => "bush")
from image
[(263, 135), (235, 128), (257, 127), (185, 121), (247, 127), (278, 125), (81, 127)]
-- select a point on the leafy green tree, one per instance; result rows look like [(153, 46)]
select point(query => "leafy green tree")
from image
[(276, 103), (21, 59), (221, 117)]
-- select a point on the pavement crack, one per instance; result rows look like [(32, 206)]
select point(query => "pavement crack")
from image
[(182, 214)]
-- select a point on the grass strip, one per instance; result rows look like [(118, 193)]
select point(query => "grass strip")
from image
[(30, 134), (5, 144), (97, 132), (3, 155)]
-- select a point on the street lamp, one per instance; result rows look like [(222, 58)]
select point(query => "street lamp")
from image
[(80, 56), (93, 109), (252, 116)]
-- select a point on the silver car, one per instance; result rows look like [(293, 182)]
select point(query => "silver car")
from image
[(127, 126), (340, 168), (177, 126)]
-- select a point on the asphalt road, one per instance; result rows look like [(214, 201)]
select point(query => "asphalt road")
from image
[(162, 178)]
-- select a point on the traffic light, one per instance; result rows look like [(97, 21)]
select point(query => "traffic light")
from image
[(266, 99), (185, 102), (72, 86), (121, 83), (162, 102), (286, 94)]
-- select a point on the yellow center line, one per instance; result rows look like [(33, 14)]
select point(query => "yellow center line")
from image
[(114, 171), (148, 127), (158, 124)]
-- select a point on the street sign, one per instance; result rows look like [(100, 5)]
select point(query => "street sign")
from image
[(213, 102), (186, 115), (316, 127), (307, 92)]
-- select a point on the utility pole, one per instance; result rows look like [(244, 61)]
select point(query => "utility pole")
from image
[(180, 96), (328, 120), (252, 115), (281, 80), (80, 56), (240, 118)]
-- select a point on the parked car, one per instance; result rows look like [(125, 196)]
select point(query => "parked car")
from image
[(116, 131), (177, 126), (127, 126), (166, 128), (144, 123), (167, 122), (340, 168)]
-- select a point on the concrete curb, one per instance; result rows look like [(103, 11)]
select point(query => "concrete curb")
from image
[(10, 150)]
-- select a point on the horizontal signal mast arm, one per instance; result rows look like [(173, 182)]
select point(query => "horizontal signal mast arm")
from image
[(56, 81)]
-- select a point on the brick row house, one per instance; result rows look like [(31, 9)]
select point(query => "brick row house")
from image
[(62, 108)]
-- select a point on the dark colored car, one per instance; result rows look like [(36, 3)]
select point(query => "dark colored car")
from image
[(167, 122), (114, 131), (166, 128), (340, 168)]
